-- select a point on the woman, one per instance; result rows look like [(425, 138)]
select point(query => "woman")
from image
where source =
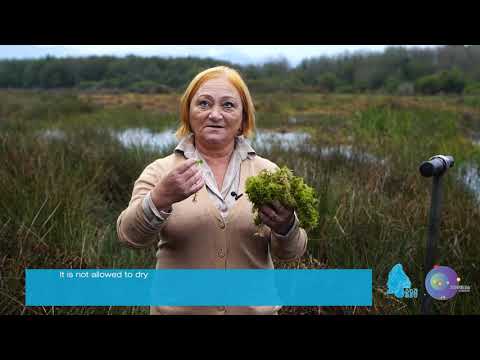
[(195, 210)]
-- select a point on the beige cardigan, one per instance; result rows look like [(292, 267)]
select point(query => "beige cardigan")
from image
[(195, 235)]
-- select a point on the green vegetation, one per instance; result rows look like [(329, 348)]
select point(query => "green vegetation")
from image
[(289, 190), (60, 196), (452, 81), (452, 69)]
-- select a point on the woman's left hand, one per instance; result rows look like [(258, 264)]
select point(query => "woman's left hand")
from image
[(279, 218)]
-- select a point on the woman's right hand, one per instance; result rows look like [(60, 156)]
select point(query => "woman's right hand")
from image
[(182, 182)]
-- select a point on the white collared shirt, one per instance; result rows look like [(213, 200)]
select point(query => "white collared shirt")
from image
[(222, 198)]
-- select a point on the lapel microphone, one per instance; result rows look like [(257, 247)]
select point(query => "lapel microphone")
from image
[(234, 194)]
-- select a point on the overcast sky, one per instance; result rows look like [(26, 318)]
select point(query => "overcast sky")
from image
[(235, 53)]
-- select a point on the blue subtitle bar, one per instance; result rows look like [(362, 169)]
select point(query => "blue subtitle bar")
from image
[(145, 287)]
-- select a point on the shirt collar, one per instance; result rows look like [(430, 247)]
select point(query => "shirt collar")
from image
[(242, 146)]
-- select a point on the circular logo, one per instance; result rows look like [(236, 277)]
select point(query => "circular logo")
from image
[(441, 283)]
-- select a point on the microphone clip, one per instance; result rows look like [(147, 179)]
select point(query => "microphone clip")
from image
[(234, 194)]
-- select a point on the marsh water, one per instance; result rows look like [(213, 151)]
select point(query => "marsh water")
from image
[(265, 140)]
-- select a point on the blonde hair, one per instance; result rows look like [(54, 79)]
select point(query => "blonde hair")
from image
[(248, 121)]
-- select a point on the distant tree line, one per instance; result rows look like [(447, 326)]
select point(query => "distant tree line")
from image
[(452, 69)]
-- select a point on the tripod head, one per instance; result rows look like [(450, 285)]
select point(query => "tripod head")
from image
[(436, 166)]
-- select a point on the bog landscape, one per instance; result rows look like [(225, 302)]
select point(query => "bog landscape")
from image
[(71, 151)]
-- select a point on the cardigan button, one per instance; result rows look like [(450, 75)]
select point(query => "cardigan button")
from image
[(221, 253)]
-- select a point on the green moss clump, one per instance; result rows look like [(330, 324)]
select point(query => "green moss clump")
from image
[(289, 190)]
